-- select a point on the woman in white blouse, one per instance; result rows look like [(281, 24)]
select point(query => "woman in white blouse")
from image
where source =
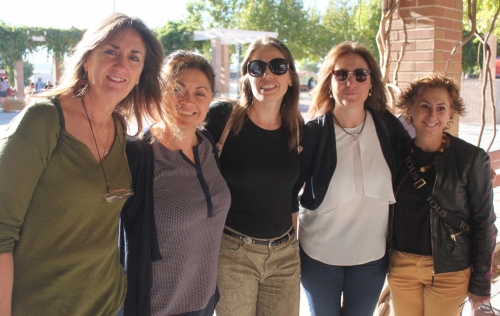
[(346, 166)]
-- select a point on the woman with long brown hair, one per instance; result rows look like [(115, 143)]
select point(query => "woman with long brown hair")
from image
[(259, 265), (65, 176), (346, 170)]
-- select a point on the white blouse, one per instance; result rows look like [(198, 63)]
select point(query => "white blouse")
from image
[(350, 226)]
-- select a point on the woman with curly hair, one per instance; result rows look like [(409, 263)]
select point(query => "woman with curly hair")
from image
[(442, 226)]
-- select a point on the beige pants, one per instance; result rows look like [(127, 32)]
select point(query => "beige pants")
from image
[(410, 279), (257, 279)]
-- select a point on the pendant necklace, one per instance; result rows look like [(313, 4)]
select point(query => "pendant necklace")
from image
[(355, 134), (106, 149)]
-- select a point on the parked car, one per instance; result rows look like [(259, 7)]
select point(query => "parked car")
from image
[(497, 64)]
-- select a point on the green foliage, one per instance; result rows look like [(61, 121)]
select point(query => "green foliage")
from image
[(174, 36), (308, 33), (287, 17), (28, 69), (16, 42), (470, 55)]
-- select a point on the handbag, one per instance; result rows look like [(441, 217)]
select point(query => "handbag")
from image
[(421, 186)]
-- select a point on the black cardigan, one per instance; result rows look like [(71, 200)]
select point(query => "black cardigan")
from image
[(318, 158), (138, 228)]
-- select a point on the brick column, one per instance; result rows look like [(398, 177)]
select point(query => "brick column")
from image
[(434, 27), (56, 70), (19, 79), (224, 72)]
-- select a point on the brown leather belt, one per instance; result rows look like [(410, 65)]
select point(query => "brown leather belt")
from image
[(270, 242)]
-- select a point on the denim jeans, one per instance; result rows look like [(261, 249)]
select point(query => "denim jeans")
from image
[(258, 279), (325, 284)]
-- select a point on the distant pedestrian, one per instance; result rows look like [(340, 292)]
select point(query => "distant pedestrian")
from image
[(40, 85), (49, 85), (4, 86), (29, 90)]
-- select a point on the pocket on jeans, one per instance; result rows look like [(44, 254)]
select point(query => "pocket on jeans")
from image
[(229, 242), (466, 273)]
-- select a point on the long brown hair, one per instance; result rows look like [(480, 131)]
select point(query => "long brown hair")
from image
[(289, 112), (146, 98), (321, 101)]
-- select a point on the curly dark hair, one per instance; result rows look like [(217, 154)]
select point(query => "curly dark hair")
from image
[(434, 80)]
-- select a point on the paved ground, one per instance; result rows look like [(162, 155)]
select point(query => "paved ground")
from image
[(468, 132)]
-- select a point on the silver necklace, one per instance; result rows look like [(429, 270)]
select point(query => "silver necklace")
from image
[(355, 134)]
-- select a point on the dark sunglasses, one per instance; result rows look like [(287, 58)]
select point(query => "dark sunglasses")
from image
[(342, 75), (277, 66)]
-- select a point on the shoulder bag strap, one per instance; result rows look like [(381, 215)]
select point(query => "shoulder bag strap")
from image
[(421, 186), (220, 144)]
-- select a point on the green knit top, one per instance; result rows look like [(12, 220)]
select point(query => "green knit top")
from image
[(63, 238)]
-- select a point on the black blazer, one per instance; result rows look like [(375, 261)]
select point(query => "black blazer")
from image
[(318, 158)]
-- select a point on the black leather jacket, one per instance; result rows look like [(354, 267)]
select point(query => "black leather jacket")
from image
[(318, 159), (463, 186)]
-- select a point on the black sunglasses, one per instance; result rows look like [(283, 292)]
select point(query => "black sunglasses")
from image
[(359, 74), (277, 66)]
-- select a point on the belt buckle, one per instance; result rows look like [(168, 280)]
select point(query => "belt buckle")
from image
[(420, 183), (247, 240)]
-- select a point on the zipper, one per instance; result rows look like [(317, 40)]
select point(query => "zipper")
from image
[(454, 239), (432, 277)]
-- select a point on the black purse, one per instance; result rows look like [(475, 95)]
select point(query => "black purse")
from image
[(421, 186)]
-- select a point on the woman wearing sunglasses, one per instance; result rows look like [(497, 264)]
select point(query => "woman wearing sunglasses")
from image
[(65, 176), (173, 223), (346, 166), (259, 264), (443, 225)]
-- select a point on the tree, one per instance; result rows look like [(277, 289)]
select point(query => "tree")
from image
[(174, 36), (287, 17)]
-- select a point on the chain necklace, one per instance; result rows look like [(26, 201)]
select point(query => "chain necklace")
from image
[(106, 149), (355, 134), (427, 166)]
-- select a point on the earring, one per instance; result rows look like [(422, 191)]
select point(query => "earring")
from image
[(370, 92), (81, 86), (330, 94)]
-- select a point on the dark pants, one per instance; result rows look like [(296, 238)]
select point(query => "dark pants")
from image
[(325, 284)]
